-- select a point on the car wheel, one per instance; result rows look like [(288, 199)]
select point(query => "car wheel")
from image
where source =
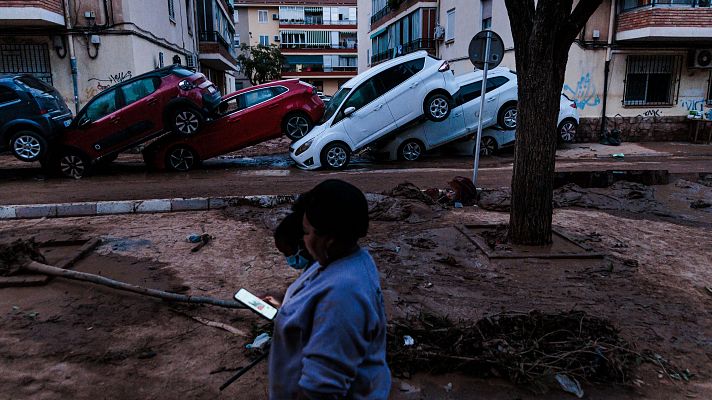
[(437, 107), (410, 150), (335, 156), (488, 146), (296, 126), (181, 159), (73, 164), (28, 146), (507, 117), (186, 122), (567, 130)]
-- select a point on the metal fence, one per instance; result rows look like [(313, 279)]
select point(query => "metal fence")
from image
[(26, 59), (652, 80), (380, 14)]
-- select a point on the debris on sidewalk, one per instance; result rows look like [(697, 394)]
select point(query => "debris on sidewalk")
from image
[(569, 385), (697, 204), (204, 239)]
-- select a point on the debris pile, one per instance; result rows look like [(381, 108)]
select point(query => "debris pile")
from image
[(530, 349), (14, 255)]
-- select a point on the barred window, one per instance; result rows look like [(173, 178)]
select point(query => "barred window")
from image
[(651, 80), (171, 10)]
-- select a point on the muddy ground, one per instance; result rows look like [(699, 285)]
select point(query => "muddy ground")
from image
[(73, 340)]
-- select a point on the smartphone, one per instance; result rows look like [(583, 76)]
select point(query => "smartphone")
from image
[(256, 304)]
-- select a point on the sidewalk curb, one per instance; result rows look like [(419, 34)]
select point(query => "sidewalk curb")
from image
[(146, 206)]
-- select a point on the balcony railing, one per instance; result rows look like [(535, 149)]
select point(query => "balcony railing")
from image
[(628, 5), (320, 68), (410, 47), (315, 21), (380, 14), (317, 46), (216, 37)]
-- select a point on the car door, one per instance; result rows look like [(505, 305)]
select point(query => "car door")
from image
[(469, 97), (98, 124), (439, 133), (258, 117), (401, 90), (141, 112), (11, 106), (371, 119)]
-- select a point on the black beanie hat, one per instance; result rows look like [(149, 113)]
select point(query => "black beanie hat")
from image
[(337, 208)]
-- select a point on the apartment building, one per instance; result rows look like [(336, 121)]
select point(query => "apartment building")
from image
[(318, 38), (113, 40), (641, 64)]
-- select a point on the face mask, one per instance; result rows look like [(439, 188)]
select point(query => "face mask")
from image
[(296, 261)]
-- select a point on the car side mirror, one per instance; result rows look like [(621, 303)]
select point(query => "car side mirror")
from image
[(349, 110), (83, 122)]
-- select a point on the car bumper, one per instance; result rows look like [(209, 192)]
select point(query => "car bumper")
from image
[(211, 101), (306, 161)]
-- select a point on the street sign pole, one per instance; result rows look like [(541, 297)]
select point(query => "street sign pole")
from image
[(482, 108)]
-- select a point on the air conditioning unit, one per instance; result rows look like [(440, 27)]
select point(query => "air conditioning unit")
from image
[(700, 58), (275, 17), (276, 38)]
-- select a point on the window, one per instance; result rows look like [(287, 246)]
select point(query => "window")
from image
[(394, 76), (486, 23), (171, 10), (7, 95), (473, 90), (101, 107), (486, 14), (366, 93), (189, 16), (264, 40), (709, 90), (450, 29), (262, 16), (257, 96), (651, 80), (135, 91), (277, 90)]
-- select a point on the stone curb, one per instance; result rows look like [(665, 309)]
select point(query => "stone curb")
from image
[(150, 206)]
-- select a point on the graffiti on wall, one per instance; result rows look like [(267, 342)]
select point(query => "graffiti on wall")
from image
[(584, 94), (651, 113), (110, 80), (694, 104)]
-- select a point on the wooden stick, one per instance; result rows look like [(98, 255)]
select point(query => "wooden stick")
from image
[(35, 266)]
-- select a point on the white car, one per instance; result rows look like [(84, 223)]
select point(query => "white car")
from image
[(379, 102), (500, 105), (495, 139)]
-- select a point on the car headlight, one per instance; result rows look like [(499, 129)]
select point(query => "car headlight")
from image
[(185, 85), (304, 147)]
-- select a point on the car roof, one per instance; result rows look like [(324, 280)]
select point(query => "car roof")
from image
[(358, 79), (475, 75), (263, 85)]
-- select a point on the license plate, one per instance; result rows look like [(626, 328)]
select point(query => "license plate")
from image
[(211, 89), (67, 123)]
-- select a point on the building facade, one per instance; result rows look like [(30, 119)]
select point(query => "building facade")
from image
[(84, 47), (640, 66), (318, 38)]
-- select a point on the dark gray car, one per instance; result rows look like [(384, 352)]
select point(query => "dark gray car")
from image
[(32, 114)]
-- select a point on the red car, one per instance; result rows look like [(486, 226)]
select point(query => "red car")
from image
[(247, 117), (131, 113)]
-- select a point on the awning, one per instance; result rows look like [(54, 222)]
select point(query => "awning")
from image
[(378, 32), (304, 59)]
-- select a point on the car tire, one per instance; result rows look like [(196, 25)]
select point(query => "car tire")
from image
[(507, 116), (437, 107), (296, 126), (567, 130), (73, 164), (182, 159), (335, 156), (488, 146), (28, 146), (186, 121), (410, 150)]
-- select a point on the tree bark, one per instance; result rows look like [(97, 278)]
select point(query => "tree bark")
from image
[(543, 34)]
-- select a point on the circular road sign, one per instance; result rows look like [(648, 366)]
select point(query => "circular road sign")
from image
[(477, 48)]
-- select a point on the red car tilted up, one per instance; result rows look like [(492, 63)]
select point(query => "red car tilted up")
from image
[(246, 117)]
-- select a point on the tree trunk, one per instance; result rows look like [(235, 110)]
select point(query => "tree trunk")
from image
[(543, 34)]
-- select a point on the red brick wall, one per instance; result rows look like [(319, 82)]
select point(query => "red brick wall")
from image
[(50, 5), (665, 17)]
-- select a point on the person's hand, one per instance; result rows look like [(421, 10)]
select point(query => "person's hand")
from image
[(272, 301)]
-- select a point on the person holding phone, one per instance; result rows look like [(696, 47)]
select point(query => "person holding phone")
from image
[(329, 339)]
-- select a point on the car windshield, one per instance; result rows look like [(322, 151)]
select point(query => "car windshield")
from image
[(334, 103)]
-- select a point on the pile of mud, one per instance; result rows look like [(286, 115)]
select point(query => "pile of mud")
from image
[(16, 254)]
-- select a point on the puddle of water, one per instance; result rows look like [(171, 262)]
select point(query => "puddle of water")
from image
[(275, 160), (267, 172)]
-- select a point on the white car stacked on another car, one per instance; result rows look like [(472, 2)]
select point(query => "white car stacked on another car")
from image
[(379, 102), (500, 107)]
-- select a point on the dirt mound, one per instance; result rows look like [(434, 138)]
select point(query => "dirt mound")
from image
[(495, 199), (14, 255), (407, 190), (621, 196)]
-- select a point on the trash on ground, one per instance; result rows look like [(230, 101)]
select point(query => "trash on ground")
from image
[(569, 385), (408, 340), (260, 341), (618, 155)]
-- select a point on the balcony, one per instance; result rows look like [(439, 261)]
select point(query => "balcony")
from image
[(664, 20), (216, 52), (428, 44), (46, 13), (380, 14), (318, 47), (317, 24)]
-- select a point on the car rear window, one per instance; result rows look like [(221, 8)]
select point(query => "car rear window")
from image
[(277, 90), (34, 84)]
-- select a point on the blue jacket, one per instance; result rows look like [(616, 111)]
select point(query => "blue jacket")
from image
[(329, 337)]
